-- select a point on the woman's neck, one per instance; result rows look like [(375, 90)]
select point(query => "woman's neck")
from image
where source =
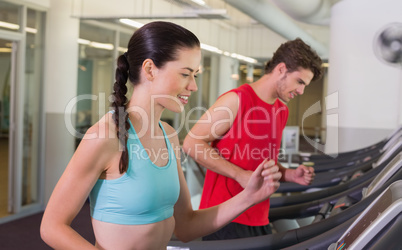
[(143, 113)]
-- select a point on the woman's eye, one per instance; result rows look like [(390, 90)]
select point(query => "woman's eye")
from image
[(185, 75), (195, 76)]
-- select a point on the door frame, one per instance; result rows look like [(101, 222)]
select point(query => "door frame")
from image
[(17, 90)]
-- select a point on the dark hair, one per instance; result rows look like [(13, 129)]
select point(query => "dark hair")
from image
[(158, 41), (296, 54)]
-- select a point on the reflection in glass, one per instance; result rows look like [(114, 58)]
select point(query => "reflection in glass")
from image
[(95, 74), (9, 16), (5, 68), (32, 103)]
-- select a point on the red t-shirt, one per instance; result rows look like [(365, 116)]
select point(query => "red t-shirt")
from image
[(255, 135)]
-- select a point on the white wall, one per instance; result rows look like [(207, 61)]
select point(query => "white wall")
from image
[(61, 61), (258, 41), (369, 91)]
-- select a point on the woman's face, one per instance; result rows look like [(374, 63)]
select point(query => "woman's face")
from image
[(174, 82)]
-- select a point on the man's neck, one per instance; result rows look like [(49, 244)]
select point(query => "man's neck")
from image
[(265, 89)]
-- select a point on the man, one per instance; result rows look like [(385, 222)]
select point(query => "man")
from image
[(244, 127)]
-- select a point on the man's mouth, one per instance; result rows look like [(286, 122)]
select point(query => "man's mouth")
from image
[(292, 95)]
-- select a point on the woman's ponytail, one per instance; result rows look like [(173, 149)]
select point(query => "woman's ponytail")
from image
[(120, 115)]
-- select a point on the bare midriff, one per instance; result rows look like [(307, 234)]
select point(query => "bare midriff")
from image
[(153, 236)]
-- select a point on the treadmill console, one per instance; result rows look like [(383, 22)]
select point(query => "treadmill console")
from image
[(370, 222)]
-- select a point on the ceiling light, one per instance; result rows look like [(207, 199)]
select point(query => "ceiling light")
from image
[(31, 30), (211, 48), (132, 23), (243, 58), (5, 50), (83, 41), (200, 2), (107, 46), (9, 25), (13, 26), (121, 49)]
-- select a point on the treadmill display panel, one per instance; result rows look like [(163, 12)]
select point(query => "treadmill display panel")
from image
[(358, 227)]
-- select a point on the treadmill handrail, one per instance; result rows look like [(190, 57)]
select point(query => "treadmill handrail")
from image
[(388, 152), (394, 165), (392, 139)]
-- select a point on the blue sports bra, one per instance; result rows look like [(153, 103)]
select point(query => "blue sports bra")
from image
[(144, 194)]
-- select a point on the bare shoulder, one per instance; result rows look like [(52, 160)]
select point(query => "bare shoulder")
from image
[(230, 100), (215, 122), (104, 128), (225, 108), (100, 141)]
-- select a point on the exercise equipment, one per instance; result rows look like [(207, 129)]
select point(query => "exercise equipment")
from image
[(376, 227), (295, 236), (335, 177)]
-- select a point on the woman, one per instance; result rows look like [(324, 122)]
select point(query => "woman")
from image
[(128, 163)]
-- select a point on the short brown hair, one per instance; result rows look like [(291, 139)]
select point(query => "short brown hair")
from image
[(296, 54)]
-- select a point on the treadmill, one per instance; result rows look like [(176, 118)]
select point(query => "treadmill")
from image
[(324, 157), (339, 220), (377, 227), (332, 178), (328, 206)]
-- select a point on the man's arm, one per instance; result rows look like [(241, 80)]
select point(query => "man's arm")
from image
[(213, 124), (302, 175)]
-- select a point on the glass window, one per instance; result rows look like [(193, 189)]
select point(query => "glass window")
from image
[(124, 39), (5, 71), (9, 16), (95, 74), (32, 104)]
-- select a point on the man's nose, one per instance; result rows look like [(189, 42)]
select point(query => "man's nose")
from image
[(300, 90)]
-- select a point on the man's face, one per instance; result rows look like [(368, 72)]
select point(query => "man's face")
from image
[(293, 84)]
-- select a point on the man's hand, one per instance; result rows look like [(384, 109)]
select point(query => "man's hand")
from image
[(303, 175)]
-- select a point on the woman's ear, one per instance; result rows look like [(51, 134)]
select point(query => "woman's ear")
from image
[(149, 69)]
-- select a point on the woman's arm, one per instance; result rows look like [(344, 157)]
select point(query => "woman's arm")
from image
[(73, 188), (192, 224)]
